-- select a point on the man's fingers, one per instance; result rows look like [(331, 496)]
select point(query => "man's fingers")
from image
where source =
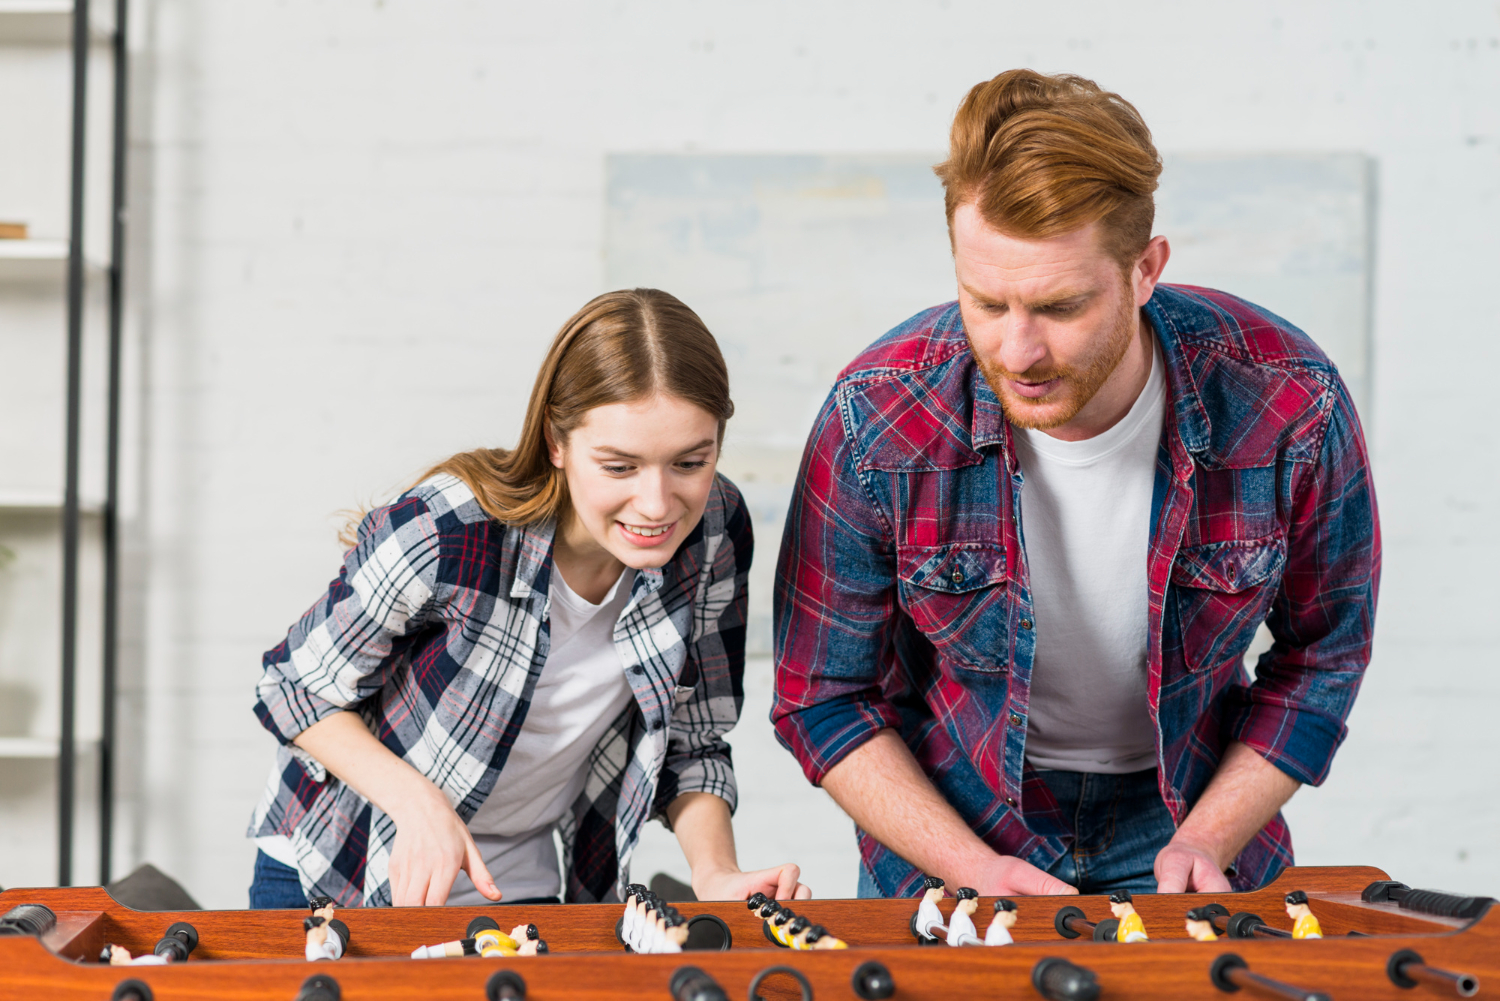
[(1172, 871), (1207, 879), (1027, 880)]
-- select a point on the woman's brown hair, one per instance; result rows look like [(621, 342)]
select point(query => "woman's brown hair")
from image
[(620, 347), (1044, 155)]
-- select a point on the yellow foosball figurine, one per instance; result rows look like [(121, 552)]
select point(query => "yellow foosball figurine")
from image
[(1200, 925), (1132, 928), (817, 937), (1304, 922)]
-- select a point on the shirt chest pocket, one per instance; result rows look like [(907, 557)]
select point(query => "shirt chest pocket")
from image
[(1221, 593), (956, 596)]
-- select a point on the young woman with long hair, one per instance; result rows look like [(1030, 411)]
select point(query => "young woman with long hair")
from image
[(549, 638)]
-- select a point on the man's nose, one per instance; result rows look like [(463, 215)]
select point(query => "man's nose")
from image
[(1023, 344)]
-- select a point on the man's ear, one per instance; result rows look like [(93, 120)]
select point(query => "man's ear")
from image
[(1148, 269)]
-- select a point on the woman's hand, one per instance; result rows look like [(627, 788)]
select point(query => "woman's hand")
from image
[(778, 883), (432, 846), (701, 821)]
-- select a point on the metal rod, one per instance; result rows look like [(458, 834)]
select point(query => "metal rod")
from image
[(1465, 985), (111, 526), (1242, 977), (66, 761)]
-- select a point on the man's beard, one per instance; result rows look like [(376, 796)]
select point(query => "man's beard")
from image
[(1079, 382)]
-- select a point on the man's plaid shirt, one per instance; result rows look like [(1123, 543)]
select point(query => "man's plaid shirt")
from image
[(903, 595), (436, 631)]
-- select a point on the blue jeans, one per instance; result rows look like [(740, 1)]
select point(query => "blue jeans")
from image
[(275, 885), (1119, 823)]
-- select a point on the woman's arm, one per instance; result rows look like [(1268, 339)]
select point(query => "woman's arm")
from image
[(432, 843), (701, 821)]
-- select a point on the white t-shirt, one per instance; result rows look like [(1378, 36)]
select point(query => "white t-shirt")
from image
[(581, 690), (1086, 525)]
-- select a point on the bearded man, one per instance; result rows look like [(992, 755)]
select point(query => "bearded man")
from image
[(1036, 530)]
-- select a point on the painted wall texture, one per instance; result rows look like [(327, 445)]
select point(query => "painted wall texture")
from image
[(356, 226)]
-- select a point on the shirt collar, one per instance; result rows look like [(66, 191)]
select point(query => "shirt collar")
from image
[(533, 563)]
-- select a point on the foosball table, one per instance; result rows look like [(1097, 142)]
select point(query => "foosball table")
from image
[(1380, 940)]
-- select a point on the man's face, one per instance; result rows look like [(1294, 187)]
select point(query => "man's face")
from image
[(1120, 910), (1049, 320)]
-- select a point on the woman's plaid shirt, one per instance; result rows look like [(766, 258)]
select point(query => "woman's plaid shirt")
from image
[(903, 595), (435, 632)]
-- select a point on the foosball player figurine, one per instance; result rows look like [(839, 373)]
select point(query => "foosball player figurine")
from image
[(1304, 922), (326, 938), (929, 918), (492, 943), (1200, 925), (779, 921), (817, 937), (796, 932), (118, 955), (677, 932), (998, 933), (961, 930), (1132, 928), (531, 941), (631, 920)]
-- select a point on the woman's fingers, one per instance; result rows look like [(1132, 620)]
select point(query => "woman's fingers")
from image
[(786, 881), (479, 873), (803, 892)]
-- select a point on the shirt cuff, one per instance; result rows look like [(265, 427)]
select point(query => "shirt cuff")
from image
[(1299, 740), (711, 774), (287, 710), (823, 734)]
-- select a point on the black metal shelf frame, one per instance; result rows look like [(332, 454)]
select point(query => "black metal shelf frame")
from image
[(76, 276)]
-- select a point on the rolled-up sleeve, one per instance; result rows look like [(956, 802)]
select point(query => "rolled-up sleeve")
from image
[(698, 757), (1323, 617), (344, 648), (834, 607)]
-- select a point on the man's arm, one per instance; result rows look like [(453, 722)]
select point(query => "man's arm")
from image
[(1241, 798), (883, 788)]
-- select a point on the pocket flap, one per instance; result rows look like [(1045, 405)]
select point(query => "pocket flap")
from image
[(1230, 566), (955, 568)]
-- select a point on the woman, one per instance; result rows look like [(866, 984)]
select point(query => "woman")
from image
[(546, 638)]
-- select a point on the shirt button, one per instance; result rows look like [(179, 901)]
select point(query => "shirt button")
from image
[(1015, 719), (1010, 801), (958, 576), (655, 725), (1025, 623), (638, 669)]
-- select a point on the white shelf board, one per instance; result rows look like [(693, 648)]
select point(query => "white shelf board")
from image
[(36, 260), (46, 22), (40, 747), (28, 747), (43, 500)]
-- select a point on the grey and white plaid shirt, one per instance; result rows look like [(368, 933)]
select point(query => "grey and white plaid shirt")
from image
[(435, 632)]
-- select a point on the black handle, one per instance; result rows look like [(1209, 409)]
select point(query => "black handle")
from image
[(1434, 902), (319, 987), (132, 989), (178, 943), (689, 983), (1059, 980), (873, 982), (505, 985), (28, 919)]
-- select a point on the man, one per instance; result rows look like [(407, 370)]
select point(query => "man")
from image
[(1036, 530)]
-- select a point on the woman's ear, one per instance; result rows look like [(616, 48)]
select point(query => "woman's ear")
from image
[(554, 450)]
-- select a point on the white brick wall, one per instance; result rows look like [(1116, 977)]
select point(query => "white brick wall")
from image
[(357, 223)]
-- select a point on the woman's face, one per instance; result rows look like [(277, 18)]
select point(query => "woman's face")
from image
[(639, 475)]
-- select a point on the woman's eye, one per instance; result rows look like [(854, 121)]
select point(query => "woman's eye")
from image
[(616, 470), (695, 464)]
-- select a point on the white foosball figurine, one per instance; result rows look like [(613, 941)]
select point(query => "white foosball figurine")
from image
[(677, 931), (630, 926), (1004, 920), (325, 939), (929, 918), (118, 955), (961, 930)]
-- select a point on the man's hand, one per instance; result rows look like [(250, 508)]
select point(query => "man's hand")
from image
[(883, 788), (1181, 868), (1009, 876), (1241, 798)]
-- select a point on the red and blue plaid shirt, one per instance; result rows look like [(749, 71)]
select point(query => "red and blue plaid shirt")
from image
[(903, 597)]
